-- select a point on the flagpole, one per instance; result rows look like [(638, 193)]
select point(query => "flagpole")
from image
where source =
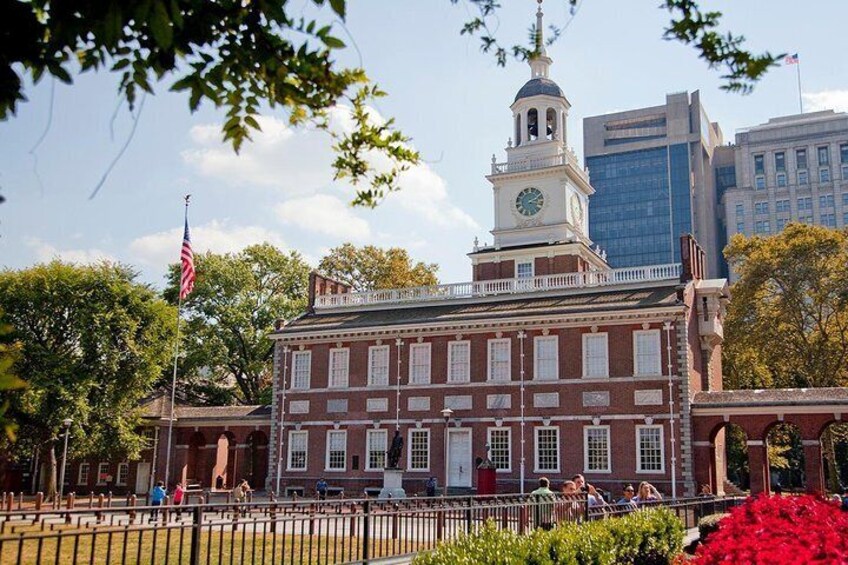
[(800, 98), (174, 376)]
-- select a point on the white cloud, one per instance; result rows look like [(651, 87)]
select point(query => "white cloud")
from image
[(163, 247), (324, 214), (424, 192), (826, 100), (45, 252)]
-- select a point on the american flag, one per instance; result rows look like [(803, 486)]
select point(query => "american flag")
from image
[(791, 59), (187, 260)]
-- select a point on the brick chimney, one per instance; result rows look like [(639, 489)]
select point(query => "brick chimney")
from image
[(693, 258), (320, 285)]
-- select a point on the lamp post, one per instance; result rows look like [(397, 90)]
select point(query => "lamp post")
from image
[(282, 424), (446, 414), (667, 327), (67, 423), (522, 335)]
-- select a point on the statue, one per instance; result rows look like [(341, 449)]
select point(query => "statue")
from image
[(393, 455)]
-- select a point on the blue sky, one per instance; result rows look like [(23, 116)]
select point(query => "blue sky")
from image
[(450, 98)]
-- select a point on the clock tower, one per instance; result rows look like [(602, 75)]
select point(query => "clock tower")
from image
[(541, 192)]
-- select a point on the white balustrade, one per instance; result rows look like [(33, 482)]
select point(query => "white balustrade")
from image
[(480, 289)]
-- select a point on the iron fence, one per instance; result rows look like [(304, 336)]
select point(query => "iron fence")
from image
[(344, 531)]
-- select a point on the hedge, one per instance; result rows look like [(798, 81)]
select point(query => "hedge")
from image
[(648, 537), (709, 524)]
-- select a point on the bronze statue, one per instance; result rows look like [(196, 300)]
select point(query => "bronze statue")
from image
[(393, 455)]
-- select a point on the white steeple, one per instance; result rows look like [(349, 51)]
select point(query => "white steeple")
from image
[(540, 63)]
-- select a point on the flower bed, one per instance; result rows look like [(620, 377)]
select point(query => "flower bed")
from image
[(650, 537), (778, 530)]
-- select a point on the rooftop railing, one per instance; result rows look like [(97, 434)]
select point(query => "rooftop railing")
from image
[(565, 158), (519, 286)]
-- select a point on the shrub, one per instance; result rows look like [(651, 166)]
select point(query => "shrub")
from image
[(650, 537), (709, 524), (779, 530)]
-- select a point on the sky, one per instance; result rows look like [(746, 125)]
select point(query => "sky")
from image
[(451, 99)]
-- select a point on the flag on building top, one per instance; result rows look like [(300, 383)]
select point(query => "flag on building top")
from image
[(187, 260), (791, 59)]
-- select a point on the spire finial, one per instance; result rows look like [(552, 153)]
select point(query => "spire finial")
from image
[(540, 41)]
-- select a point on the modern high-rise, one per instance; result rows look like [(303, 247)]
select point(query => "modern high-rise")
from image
[(652, 172), (792, 168)]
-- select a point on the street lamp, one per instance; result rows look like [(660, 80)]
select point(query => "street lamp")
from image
[(67, 423), (446, 414)]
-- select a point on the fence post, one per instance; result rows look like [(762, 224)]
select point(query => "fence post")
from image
[(20, 500), (468, 521), (196, 528), (133, 500), (39, 500), (10, 501), (98, 514), (586, 507), (395, 520), (366, 530)]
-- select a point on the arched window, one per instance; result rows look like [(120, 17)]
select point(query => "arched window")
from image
[(517, 130), (532, 125), (551, 119)]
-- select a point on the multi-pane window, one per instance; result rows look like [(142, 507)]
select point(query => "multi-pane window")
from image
[(824, 175), (781, 180), (376, 445), (782, 205), (801, 159), (646, 345), (336, 450), (805, 219), (826, 201), (524, 269), (123, 473), (301, 369), (780, 162), (499, 448), (762, 227), (803, 177), (82, 473), (499, 359), (649, 449), (298, 445), (760, 182), (740, 227), (547, 449), (419, 450), (339, 363), (845, 199), (824, 155), (378, 365), (843, 158), (759, 165), (781, 223), (595, 355), (845, 218), (596, 457), (740, 210), (828, 220), (761, 207), (102, 473), (459, 361), (805, 203), (545, 357), (419, 363)]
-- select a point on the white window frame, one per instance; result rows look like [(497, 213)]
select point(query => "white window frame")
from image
[(530, 262), (489, 366), (587, 337), (100, 466), (536, 454), (290, 452), (368, 448), (409, 459), (426, 374), (637, 370), (373, 351), (466, 367), (87, 467), (327, 468), (639, 462), (301, 378), (118, 481), (332, 381), (606, 431), (508, 431), (536, 364)]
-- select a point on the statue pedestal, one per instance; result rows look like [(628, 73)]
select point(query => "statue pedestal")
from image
[(392, 484)]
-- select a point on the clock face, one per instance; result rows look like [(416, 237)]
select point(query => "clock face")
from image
[(529, 201), (577, 211)]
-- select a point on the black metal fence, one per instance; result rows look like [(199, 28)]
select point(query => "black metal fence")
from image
[(345, 531)]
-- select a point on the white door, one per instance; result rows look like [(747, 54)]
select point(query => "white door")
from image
[(142, 477), (459, 458)]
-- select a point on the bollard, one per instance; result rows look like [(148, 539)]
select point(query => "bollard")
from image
[(39, 500), (395, 520), (100, 500), (311, 519), (131, 504), (109, 500), (10, 502), (165, 502), (353, 519), (20, 501), (91, 500)]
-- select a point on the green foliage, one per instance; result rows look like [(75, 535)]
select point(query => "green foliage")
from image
[(92, 342), (9, 354), (709, 524), (237, 297), (371, 268), (649, 537)]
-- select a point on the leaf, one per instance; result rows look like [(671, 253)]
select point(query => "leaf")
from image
[(338, 7), (160, 25), (333, 42)]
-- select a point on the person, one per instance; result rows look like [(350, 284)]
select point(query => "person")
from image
[(240, 495), (706, 491), (157, 496), (845, 500), (321, 487), (579, 482), (647, 493), (431, 486), (179, 495), (543, 508), (569, 487), (627, 494)]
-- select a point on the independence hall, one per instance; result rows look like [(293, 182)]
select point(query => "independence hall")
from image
[(549, 362)]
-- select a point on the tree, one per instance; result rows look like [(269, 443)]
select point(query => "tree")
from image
[(93, 341), (9, 354), (370, 268), (236, 300), (791, 291), (243, 55)]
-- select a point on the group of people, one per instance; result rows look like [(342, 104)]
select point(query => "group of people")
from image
[(158, 494)]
